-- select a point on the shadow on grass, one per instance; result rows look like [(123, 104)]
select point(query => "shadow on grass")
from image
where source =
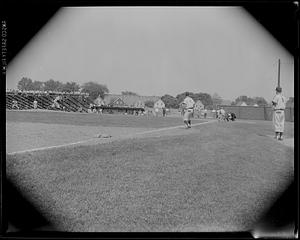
[(280, 219), (20, 214)]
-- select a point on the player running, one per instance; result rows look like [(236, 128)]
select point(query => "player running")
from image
[(278, 102), (221, 114), (188, 104)]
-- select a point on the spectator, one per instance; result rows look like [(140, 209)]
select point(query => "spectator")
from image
[(35, 103), (205, 112), (164, 112), (15, 105), (55, 103)]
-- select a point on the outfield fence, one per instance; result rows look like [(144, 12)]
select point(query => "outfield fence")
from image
[(257, 113)]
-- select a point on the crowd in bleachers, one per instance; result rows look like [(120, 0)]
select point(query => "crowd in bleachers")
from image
[(50, 100), (45, 92)]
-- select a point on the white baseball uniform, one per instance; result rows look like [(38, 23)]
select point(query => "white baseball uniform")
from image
[(279, 102), (189, 103)]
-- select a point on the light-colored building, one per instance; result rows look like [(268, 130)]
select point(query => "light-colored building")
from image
[(118, 103), (139, 104), (159, 104), (133, 101), (198, 106)]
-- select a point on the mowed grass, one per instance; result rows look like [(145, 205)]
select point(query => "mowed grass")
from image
[(93, 119), (215, 177)]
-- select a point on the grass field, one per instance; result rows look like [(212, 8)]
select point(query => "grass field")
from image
[(213, 177)]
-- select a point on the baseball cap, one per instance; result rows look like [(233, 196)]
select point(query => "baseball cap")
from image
[(278, 89)]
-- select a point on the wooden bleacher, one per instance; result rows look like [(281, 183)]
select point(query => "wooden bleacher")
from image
[(69, 102)]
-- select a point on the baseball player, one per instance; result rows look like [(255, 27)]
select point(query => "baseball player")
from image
[(221, 115), (278, 103), (35, 104), (189, 103)]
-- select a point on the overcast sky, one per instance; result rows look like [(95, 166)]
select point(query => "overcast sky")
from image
[(158, 50)]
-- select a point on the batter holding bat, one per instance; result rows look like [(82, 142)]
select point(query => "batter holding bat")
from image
[(278, 103)]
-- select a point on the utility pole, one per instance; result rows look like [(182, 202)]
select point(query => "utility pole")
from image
[(278, 83)]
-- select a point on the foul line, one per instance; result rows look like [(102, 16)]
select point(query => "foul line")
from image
[(163, 129), (124, 136), (245, 122), (44, 148)]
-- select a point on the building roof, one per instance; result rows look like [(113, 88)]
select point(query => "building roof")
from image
[(129, 100), (241, 104), (159, 102), (119, 100), (199, 102)]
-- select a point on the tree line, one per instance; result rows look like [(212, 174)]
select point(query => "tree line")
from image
[(209, 102), (92, 88), (95, 89)]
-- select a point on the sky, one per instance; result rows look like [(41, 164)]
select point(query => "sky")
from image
[(157, 51)]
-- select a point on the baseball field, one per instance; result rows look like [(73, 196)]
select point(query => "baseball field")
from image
[(120, 173)]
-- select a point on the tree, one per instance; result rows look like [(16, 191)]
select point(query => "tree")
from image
[(129, 93), (149, 103), (52, 85), (70, 87), (205, 98), (94, 90), (180, 97), (25, 84), (216, 99), (250, 101), (242, 98), (260, 101), (170, 101), (37, 86), (290, 103)]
